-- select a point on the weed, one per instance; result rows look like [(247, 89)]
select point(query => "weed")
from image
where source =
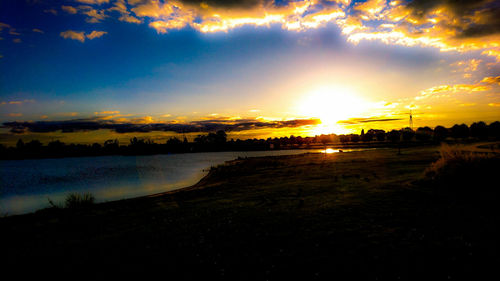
[(76, 200)]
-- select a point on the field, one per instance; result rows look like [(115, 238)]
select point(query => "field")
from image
[(371, 214)]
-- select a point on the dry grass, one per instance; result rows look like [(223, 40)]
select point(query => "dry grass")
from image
[(453, 156), (463, 171), (76, 200)]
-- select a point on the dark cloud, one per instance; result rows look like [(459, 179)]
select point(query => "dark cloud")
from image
[(464, 11), (491, 25), (121, 127), (354, 121), (460, 7), (225, 3)]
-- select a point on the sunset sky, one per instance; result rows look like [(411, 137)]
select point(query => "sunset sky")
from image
[(91, 70)]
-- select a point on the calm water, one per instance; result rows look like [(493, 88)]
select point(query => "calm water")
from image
[(26, 185)]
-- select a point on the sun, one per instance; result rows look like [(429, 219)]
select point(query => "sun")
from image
[(330, 105)]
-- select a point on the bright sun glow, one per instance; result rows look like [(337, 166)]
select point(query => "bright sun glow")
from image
[(331, 104), (329, 151)]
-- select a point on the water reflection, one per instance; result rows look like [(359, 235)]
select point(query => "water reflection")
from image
[(26, 185)]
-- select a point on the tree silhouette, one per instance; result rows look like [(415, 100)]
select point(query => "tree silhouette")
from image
[(460, 131), (423, 134), (440, 133), (494, 129), (217, 141), (479, 130), (407, 134)]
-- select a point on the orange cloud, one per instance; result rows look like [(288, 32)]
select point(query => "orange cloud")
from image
[(444, 25), (467, 104), (107, 112), (298, 15), (19, 102), (125, 15), (80, 35), (94, 15), (69, 9), (459, 26), (433, 91), (93, 2), (468, 66), (75, 35), (68, 114), (491, 80), (96, 34), (370, 9)]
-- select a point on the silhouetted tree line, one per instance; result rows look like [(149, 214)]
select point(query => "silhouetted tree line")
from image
[(218, 142), (477, 131)]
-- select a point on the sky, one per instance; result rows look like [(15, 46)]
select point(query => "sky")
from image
[(91, 70)]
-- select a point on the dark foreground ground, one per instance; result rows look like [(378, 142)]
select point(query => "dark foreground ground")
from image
[(365, 214)]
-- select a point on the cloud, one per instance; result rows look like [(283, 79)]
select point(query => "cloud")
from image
[(353, 121), (447, 89), (38, 30), (460, 26), (4, 26), (447, 25), (484, 84), (468, 65), (18, 102), (224, 3), (107, 112), (69, 9), (476, 17), (11, 31), (68, 114), (80, 35), (94, 15), (494, 104), (93, 2), (147, 124), (15, 114), (75, 35), (491, 80), (51, 11), (96, 34), (216, 16), (370, 9), (125, 15)]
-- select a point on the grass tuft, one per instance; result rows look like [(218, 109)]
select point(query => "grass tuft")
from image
[(464, 172), (76, 200)]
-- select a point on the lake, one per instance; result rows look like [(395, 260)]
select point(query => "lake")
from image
[(26, 185)]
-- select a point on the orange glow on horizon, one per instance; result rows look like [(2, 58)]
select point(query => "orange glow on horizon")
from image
[(330, 105)]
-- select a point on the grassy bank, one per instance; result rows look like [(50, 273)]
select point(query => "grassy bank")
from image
[(373, 214)]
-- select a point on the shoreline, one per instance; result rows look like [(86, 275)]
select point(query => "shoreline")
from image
[(58, 196), (364, 214), (352, 145)]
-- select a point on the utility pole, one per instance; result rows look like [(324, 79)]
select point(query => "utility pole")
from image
[(411, 121)]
